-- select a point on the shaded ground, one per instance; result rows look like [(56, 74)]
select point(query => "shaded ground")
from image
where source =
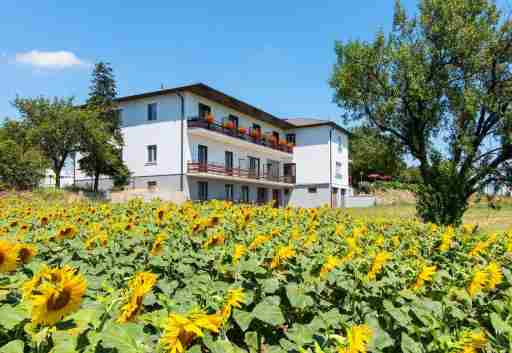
[(488, 219)]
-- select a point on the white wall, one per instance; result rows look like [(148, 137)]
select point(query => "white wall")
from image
[(311, 154), (164, 132)]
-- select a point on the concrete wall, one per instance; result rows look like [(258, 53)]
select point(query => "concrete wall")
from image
[(301, 197), (311, 154), (359, 201)]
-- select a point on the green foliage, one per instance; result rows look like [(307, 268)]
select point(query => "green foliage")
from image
[(298, 306), (438, 83), (22, 165), (102, 151), (372, 152), (56, 127)]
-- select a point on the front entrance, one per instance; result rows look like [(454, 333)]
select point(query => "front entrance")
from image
[(276, 198), (261, 196), (334, 197)]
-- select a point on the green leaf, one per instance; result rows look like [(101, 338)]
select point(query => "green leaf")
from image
[(10, 316), (16, 346), (300, 334), (270, 285), (243, 318), (409, 345), (297, 296), (270, 312), (125, 338), (500, 326)]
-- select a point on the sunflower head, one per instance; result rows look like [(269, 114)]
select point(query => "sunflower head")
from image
[(67, 232), (54, 293), (25, 252), (8, 257)]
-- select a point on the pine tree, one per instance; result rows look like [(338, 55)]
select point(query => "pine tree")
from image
[(102, 151)]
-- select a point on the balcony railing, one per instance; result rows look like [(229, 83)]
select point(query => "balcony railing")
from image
[(221, 169), (246, 134)]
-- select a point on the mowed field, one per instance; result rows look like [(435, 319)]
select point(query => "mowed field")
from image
[(486, 218)]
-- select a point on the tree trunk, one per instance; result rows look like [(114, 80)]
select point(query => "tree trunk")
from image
[(96, 181), (57, 178)]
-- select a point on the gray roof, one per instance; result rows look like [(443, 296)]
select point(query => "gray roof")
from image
[(313, 122)]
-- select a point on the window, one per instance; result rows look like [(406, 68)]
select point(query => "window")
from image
[(262, 195), (312, 190), (152, 111), (276, 136), (203, 110), (202, 189), (244, 194), (202, 154), (340, 144), (229, 162), (229, 191), (152, 154), (254, 167), (290, 138), (152, 185), (338, 170), (234, 120), (119, 115)]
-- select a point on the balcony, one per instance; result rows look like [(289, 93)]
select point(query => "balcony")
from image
[(220, 170), (243, 134)]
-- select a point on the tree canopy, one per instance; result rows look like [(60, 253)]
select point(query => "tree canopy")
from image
[(22, 164), (102, 151), (372, 152), (440, 83)]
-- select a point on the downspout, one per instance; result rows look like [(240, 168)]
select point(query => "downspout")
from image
[(182, 101), (330, 166)]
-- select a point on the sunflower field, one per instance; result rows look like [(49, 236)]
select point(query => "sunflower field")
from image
[(217, 277)]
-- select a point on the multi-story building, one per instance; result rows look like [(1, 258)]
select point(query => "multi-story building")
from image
[(204, 144)]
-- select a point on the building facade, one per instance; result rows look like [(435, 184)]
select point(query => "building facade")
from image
[(203, 144)]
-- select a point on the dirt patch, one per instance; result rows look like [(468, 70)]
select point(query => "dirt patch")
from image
[(394, 197)]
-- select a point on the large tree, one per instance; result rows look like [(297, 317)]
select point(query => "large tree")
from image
[(22, 165), (372, 152), (56, 127), (101, 153), (441, 84)]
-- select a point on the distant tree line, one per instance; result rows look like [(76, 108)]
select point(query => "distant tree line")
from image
[(49, 132)]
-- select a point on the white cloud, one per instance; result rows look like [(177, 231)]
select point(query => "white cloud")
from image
[(50, 59)]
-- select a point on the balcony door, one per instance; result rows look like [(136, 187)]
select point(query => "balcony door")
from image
[(202, 158), (229, 162), (273, 169), (289, 172), (254, 167)]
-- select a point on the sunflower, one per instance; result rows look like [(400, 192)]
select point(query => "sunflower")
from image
[(283, 253), (378, 263), (425, 276), (8, 257), (25, 252), (235, 299), (472, 342), (357, 339), (239, 251), (215, 239), (181, 330), (478, 283), (55, 294), (158, 245), (260, 239), (495, 275), (331, 262), (67, 232), (139, 286)]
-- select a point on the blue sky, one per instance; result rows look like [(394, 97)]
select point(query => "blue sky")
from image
[(276, 55)]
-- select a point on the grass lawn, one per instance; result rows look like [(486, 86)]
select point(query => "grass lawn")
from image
[(488, 219)]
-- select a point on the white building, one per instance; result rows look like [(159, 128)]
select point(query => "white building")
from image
[(204, 144)]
